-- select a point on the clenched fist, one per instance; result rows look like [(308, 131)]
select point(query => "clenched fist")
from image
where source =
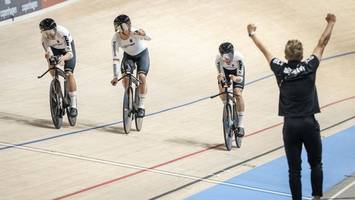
[(251, 28), (331, 18)]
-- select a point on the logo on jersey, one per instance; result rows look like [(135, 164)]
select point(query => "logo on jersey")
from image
[(291, 74), (277, 62)]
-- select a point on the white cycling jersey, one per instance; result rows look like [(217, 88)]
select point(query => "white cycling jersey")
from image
[(236, 64), (132, 46), (62, 40)]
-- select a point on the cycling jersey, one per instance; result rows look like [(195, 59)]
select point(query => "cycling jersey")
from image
[(62, 40), (236, 68), (237, 63), (132, 46)]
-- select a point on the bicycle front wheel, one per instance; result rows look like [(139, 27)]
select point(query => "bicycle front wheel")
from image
[(55, 102), (127, 110), (227, 126)]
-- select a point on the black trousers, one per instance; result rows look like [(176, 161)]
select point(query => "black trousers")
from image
[(298, 131)]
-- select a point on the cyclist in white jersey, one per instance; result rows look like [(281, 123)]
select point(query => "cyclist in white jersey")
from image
[(135, 51), (230, 66), (57, 41)]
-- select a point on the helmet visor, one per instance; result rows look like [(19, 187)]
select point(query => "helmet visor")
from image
[(122, 27), (48, 33), (227, 57)]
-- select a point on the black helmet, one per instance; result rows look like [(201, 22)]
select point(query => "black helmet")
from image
[(119, 20), (47, 24), (226, 48)]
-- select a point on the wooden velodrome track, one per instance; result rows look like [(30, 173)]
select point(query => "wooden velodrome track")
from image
[(182, 139)]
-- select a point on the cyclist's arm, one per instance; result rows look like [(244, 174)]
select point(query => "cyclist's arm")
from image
[(219, 64), (69, 55), (116, 60), (258, 43), (240, 72), (67, 40), (239, 77), (220, 73), (323, 40), (47, 49)]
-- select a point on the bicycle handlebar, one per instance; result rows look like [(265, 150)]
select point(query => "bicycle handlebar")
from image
[(61, 72), (135, 80), (216, 95), (53, 61)]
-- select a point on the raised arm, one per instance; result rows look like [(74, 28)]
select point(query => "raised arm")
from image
[(251, 31), (323, 40)]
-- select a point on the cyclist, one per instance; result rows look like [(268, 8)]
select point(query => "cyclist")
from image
[(135, 51), (230, 66), (57, 41)]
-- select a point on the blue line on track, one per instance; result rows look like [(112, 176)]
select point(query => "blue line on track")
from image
[(338, 162)]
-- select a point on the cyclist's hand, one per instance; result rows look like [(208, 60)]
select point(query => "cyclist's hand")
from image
[(114, 81), (234, 78), (251, 28), (220, 77), (140, 32), (61, 60), (46, 55)]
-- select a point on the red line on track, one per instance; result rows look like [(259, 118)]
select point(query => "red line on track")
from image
[(180, 158)]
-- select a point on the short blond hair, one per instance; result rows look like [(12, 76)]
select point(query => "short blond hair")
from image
[(294, 50)]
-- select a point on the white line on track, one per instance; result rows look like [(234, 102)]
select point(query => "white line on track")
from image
[(131, 166), (341, 191)]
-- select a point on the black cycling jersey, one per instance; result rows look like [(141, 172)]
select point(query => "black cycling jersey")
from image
[(296, 80)]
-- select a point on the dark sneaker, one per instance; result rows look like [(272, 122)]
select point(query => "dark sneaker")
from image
[(73, 112), (240, 132), (140, 112)]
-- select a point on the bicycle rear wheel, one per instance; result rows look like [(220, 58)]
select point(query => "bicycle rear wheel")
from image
[(138, 120), (55, 102), (127, 110), (72, 120), (238, 140), (227, 126)]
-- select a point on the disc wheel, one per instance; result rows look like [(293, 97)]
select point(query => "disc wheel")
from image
[(227, 127), (127, 110), (55, 102)]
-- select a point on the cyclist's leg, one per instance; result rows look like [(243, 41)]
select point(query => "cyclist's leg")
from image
[(143, 63), (126, 64), (69, 67)]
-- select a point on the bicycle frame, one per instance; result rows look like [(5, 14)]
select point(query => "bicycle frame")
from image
[(229, 114), (131, 79), (226, 93), (59, 72), (130, 102)]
